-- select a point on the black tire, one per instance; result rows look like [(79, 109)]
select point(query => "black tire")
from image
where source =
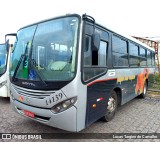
[(143, 95), (110, 114)]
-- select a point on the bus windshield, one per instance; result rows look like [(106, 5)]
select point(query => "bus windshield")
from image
[(46, 51), (3, 58)]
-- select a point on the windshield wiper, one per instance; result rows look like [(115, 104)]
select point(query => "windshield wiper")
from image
[(23, 56), (19, 62), (34, 68)]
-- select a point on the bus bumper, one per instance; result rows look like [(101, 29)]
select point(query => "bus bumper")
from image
[(4, 91), (65, 120)]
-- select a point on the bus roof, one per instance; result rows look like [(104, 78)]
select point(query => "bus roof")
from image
[(45, 20), (137, 41), (120, 34), (128, 37)]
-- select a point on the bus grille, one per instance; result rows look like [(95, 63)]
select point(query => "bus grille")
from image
[(39, 94)]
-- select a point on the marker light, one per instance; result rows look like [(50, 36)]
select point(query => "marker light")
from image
[(94, 106), (62, 106), (21, 98)]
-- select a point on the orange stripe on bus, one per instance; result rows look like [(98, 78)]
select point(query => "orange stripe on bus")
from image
[(96, 81)]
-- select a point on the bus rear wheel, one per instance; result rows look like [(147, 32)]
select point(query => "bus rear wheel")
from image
[(111, 108), (143, 95)]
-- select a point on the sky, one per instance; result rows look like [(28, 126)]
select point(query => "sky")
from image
[(131, 17)]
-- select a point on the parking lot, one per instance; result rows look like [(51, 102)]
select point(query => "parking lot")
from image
[(137, 116)]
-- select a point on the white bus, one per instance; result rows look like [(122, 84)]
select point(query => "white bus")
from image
[(69, 71), (5, 52)]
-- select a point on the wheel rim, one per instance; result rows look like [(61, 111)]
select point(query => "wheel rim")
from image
[(144, 90), (111, 104)]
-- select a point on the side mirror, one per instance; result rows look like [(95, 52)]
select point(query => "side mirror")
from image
[(12, 37), (95, 42)]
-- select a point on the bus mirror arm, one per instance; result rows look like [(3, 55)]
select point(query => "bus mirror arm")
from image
[(7, 45), (95, 42)]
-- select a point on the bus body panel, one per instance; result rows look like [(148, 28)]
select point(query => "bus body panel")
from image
[(4, 91), (65, 120), (69, 91), (131, 83), (76, 88), (4, 88)]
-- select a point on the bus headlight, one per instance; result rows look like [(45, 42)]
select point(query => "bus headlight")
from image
[(3, 83), (62, 106)]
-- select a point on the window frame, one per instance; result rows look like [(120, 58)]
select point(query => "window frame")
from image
[(149, 65), (141, 47), (136, 56), (121, 38), (103, 38)]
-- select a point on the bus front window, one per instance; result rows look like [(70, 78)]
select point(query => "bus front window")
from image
[(46, 51), (3, 58)]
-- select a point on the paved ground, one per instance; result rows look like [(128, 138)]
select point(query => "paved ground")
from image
[(137, 116)]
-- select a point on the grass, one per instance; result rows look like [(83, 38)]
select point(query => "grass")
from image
[(153, 93), (156, 85)]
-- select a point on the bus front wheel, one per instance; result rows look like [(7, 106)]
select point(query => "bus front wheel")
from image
[(111, 108)]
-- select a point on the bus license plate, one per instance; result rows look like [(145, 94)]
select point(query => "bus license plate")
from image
[(28, 113)]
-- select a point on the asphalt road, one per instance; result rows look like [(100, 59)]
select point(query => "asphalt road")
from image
[(137, 116)]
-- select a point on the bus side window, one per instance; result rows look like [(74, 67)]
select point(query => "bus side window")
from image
[(87, 51), (99, 57), (149, 57), (133, 55), (96, 58), (94, 63), (142, 57), (119, 52), (102, 58)]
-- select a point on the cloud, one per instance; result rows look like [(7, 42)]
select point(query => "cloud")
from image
[(133, 17)]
